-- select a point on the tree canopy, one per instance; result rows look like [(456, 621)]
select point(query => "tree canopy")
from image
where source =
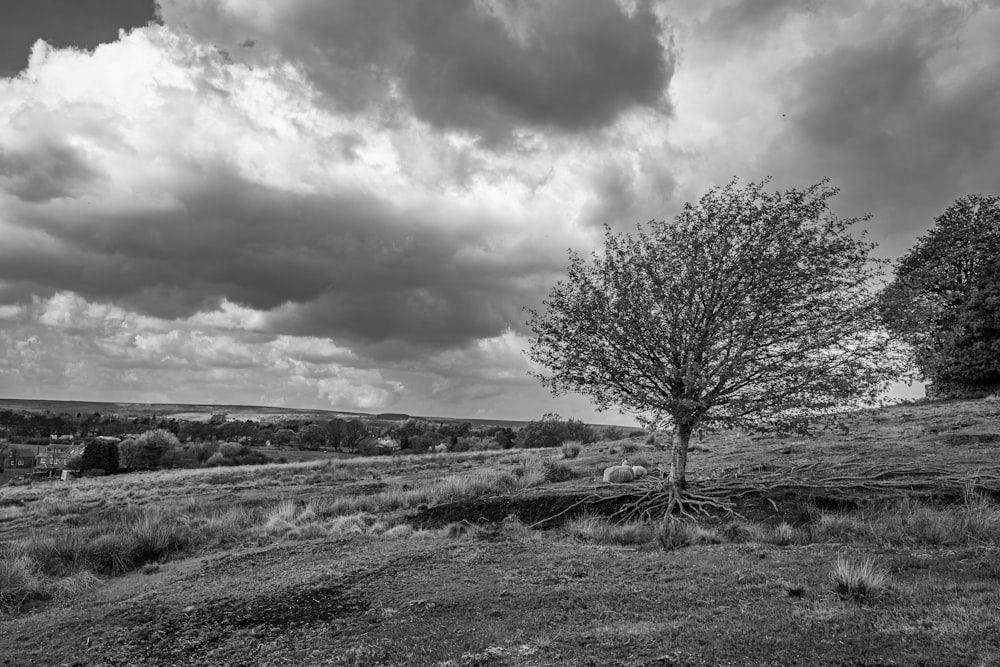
[(945, 298), (751, 309)]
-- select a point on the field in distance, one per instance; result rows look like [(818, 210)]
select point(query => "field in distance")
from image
[(874, 542), (204, 412)]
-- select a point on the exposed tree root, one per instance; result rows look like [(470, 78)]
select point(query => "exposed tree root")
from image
[(721, 494), (663, 499)]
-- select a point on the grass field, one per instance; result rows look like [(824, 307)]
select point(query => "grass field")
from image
[(873, 543)]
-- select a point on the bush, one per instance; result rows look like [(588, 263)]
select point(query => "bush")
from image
[(612, 433), (231, 449), (219, 459), (551, 431)]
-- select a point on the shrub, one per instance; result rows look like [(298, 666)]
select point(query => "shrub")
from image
[(231, 449), (630, 448), (858, 580), (612, 433), (551, 431), (219, 459), (571, 449)]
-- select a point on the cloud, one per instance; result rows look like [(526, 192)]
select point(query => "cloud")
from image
[(749, 19), (44, 171), (66, 344), (488, 68), (311, 201), (902, 115)]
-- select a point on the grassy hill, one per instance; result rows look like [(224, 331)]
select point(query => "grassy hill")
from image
[(875, 542), (202, 412)]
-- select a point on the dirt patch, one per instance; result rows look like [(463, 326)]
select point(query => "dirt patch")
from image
[(157, 635), (550, 509)]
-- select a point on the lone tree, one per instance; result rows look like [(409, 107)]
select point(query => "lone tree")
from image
[(945, 299), (752, 309)]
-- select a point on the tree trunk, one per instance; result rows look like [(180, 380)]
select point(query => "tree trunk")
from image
[(679, 454)]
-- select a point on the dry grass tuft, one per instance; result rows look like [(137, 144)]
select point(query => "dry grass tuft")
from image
[(19, 582), (858, 580), (600, 531), (571, 449)]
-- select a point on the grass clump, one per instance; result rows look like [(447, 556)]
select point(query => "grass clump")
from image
[(112, 547), (600, 531), (909, 522), (571, 449), (19, 582), (674, 534), (858, 580), (556, 471)]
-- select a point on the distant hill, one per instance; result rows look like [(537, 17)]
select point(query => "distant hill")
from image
[(204, 412)]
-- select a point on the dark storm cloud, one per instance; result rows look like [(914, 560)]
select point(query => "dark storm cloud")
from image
[(353, 267), (898, 137), (580, 65), (62, 23), (44, 172), (570, 65)]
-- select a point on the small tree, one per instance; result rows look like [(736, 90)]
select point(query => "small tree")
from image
[(353, 434), (313, 436), (151, 446), (752, 309), (100, 455), (945, 299), (284, 437), (128, 453), (552, 431)]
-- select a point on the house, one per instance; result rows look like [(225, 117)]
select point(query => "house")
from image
[(21, 459), (57, 455)]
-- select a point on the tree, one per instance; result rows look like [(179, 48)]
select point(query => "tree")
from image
[(353, 434), (552, 431), (284, 437), (128, 453), (753, 309), (100, 455), (945, 298), (151, 446), (313, 436)]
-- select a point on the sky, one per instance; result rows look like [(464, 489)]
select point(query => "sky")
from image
[(346, 204)]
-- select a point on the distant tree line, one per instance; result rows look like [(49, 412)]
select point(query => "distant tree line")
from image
[(115, 444)]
